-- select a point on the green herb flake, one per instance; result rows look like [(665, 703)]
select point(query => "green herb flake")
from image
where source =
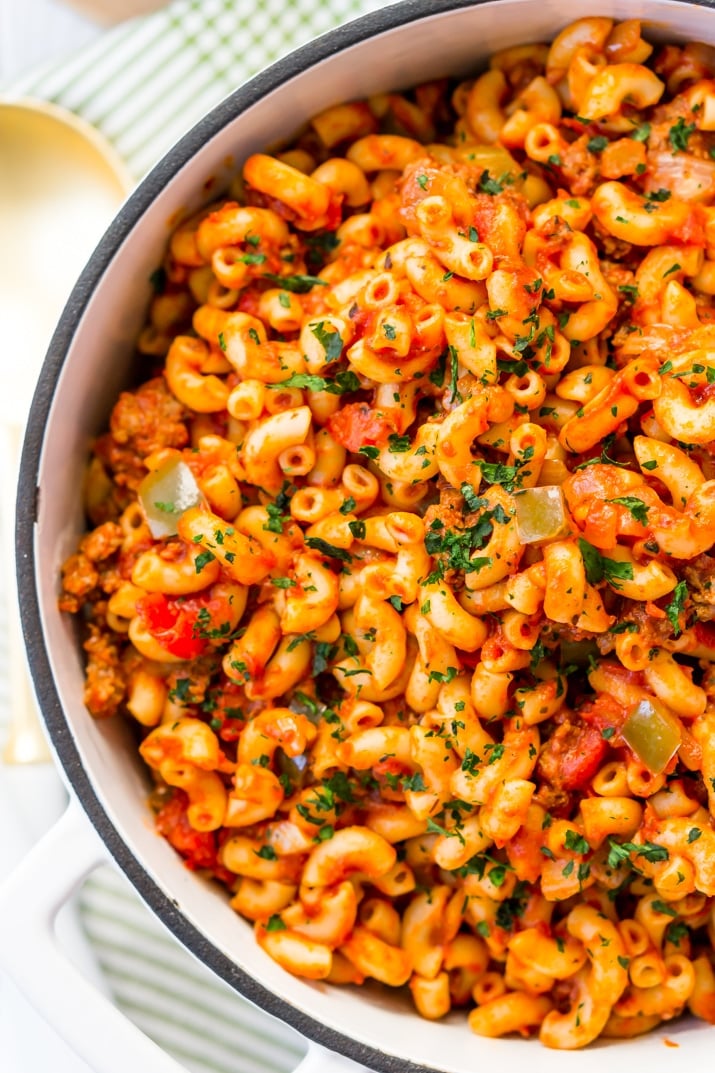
[(298, 284), (253, 258), (274, 923), (599, 568), (597, 144), (677, 605), (202, 560), (325, 548), (340, 385), (679, 134), (660, 906), (398, 445), (635, 506), (488, 185), (330, 340)]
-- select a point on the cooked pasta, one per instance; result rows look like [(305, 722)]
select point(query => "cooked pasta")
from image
[(400, 551)]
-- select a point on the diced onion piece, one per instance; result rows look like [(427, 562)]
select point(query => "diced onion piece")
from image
[(540, 514), (687, 177), (165, 494), (653, 734)]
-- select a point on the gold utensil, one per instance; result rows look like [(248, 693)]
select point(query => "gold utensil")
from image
[(60, 185)]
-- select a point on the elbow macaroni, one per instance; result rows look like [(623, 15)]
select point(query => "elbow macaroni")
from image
[(447, 401)]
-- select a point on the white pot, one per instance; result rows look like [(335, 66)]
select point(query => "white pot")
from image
[(88, 362)]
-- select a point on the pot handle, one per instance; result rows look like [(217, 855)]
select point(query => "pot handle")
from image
[(34, 960), (30, 953)]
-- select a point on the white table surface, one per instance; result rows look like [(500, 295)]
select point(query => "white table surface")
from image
[(32, 33)]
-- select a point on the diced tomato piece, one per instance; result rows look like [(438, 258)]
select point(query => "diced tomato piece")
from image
[(198, 848), (358, 425), (573, 755), (705, 633), (603, 711), (182, 625), (249, 300)]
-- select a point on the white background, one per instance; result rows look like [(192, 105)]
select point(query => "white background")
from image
[(32, 33)]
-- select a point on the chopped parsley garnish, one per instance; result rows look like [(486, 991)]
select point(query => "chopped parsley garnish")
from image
[(298, 284), (619, 852), (599, 568), (328, 549), (471, 498), (675, 932), (330, 340), (203, 559), (342, 383), (576, 842), (679, 134), (636, 506), (398, 445), (267, 853), (677, 605), (500, 473), (488, 185), (276, 518), (662, 907), (457, 545), (274, 923)]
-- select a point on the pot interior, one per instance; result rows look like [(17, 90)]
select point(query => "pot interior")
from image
[(90, 359)]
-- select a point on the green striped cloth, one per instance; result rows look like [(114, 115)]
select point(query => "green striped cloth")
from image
[(143, 85)]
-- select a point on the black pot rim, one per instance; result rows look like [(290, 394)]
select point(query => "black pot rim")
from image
[(334, 41)]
